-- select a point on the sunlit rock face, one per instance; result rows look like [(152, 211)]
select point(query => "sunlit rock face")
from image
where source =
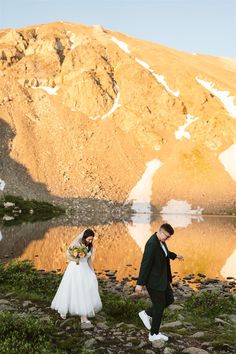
[(83, 110)]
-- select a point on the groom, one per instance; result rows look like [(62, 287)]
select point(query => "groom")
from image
[(155, 274)]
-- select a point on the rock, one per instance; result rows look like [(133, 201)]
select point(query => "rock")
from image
[(198, 335), (148, 351), (175, 307), (128, 345), (4, 307), (194, 350), (7, 218), (100, 338), (90, 343), (141, 344), (120, 324), (26, 303), (130, 339), (172, 324), (102, 325), (100, 317), (118, 287), (4, 302), (87, 325), (32, 309), (65, 322), (219, 320), (9, 294), (158, 344), (232, 318), (168, 350), (8, 204), (206, 344), (45, 318), (130, 325)]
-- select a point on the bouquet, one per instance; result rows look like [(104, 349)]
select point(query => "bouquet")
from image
[(78, 252)]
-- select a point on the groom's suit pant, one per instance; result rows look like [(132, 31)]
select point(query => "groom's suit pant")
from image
[(160, 300)]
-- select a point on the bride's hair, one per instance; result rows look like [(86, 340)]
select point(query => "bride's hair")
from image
[(87, 233)]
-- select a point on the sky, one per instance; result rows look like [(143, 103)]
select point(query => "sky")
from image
[(194, 26)]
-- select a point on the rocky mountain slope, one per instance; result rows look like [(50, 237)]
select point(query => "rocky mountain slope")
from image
[(90, 113)]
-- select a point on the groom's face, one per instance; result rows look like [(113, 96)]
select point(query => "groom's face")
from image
[(163, 235)]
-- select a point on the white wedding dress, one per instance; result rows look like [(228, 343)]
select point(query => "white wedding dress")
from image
[(78, 292)]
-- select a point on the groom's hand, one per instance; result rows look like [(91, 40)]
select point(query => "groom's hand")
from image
[(138, 289), (180, 258)]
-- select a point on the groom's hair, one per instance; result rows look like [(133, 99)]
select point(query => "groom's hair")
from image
[(88, 233), (168, 228)]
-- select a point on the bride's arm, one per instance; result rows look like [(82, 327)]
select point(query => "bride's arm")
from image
[(70, 258), (90, 263), (75, 242)]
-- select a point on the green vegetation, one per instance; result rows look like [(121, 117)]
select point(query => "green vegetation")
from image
[(24, 334), (231, 212), (203, 308), (210, 305), (121, 309), (26, 282), (15, 210)]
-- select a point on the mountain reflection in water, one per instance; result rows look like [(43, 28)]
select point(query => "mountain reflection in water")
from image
[(208, 245)]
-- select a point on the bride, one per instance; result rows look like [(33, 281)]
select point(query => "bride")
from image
[(78, 292)]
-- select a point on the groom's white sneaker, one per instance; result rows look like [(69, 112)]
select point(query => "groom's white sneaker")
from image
[(145, 318), (158, 336)]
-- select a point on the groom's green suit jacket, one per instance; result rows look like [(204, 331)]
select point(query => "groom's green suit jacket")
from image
[(155, 271)]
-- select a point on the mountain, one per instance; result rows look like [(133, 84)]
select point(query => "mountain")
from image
[(90, 113)]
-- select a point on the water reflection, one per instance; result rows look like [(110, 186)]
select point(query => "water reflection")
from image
[(209, 246)]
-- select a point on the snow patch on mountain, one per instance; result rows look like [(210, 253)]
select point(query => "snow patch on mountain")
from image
[(179, 213), (180, 207), (48, 89), (121, 44), (71, 39), (116, 105), (141, 194), (160, 78), (228, 160), (181, 132), (224, 96)]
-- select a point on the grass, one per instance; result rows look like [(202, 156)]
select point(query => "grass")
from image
[(24, 334), (201, 310), (210, 305), (27, 210), (231, 212), (26, 282), (121, 309)]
